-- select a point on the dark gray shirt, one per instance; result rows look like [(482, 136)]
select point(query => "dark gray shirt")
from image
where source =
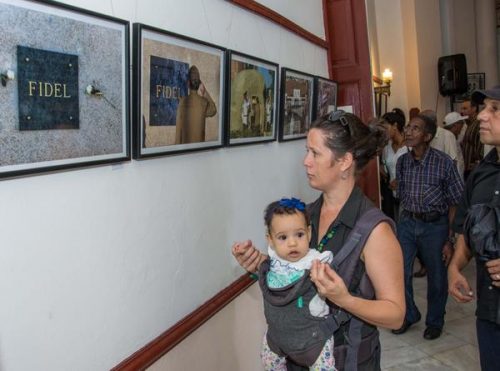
[(480, 188)]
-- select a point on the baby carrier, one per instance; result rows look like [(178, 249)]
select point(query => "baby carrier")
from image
[(293, 332)]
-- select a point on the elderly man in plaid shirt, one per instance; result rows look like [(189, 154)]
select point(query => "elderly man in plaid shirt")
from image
[(429, 187)]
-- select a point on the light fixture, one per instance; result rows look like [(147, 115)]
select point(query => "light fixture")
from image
[(382, 92), (385, 83), (7, 75), (387, 76)]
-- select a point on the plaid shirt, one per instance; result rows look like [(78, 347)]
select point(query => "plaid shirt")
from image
[(429, 184)]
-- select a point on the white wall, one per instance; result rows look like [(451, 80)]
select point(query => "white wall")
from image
[(428, 29), (309, 17), (410, 37), (413, 91), (371, 23), (465, 32), (95, 263), (391, 49)]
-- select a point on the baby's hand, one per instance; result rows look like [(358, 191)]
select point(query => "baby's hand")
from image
[(247, 255)]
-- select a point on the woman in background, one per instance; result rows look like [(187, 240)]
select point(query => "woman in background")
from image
[(394, 122)]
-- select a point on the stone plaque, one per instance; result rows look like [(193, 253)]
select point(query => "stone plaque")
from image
[(48, 89), (168, 83)]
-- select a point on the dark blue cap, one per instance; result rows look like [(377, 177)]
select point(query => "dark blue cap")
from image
[(478, 96)]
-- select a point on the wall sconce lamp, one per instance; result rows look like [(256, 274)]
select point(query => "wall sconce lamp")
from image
[(387, 76), (382, 92), (386, 79), (7, 75)]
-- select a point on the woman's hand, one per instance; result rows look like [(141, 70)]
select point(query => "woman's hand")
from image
[(329, 283), (247, 255)]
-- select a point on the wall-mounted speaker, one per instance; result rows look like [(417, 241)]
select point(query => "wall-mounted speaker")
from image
[(452, 73)]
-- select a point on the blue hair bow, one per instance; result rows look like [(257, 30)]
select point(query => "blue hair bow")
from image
[(293, 203)]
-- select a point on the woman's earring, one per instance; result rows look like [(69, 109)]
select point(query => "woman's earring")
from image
[(343, 175)]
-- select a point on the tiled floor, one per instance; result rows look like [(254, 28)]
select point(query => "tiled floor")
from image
[(456, 349)]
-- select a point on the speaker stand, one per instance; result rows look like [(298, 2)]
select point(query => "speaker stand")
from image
[(452, 103)]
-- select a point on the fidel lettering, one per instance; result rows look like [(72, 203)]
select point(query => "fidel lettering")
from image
[(168, 92), (47, 89)]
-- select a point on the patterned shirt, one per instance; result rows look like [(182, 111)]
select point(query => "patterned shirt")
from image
[(429, 184), (471, 145)]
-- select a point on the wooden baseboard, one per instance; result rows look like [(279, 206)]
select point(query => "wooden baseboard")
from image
[(158, 347)]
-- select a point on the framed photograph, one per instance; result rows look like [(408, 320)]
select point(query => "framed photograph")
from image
[(252, 99), (65, 87), (296, 104), (475, 81), (179, 93), (325, 96)]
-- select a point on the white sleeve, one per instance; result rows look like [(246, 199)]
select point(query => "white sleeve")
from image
[(450, 145)]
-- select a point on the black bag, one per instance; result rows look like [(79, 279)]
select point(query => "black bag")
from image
[(481, 228)]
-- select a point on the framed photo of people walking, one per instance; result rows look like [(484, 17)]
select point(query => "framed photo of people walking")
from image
[(296, 104), (179, 93), (252, 99), (325, 96), (65, 88)]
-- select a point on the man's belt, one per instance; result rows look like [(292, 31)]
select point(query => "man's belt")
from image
[(427, 217)]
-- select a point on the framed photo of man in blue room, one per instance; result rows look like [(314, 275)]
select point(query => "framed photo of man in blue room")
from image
[(65, 88), (179, 94), (296, 104), (252, 99)]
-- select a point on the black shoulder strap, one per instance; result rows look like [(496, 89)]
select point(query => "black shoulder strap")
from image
[(346, 268), (360, 233)]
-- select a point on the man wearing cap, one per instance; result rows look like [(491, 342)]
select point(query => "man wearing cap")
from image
[(482, 187), (454, 122), (472, 147)]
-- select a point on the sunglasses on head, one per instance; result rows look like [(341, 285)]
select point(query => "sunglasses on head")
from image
[(340, 116)]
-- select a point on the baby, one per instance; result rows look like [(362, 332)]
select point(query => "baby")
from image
[(294, 311)]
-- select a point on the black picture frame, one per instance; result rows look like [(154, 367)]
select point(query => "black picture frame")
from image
[(325, 96), (162, 111), (475, 81), (254, 119), (296, 104), (65, 93)]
